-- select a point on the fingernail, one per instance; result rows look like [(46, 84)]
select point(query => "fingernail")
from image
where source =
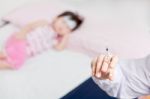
[(98, 75), (110, 75)]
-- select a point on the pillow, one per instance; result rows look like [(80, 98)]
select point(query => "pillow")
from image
[(121, 28), (34, 11)]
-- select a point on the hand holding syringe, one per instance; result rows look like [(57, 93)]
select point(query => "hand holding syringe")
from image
[(103, 66)]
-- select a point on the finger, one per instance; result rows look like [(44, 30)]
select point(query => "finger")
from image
[(93, 66), (111, 74), (112, 67), (105, 65), (99, 65), (113, 62)]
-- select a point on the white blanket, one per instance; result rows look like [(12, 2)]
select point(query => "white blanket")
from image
[(47, 76)]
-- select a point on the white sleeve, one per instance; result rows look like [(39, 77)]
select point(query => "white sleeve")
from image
[(132, 79)]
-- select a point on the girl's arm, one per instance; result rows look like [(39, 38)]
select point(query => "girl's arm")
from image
[(29, 27), (60, 45)]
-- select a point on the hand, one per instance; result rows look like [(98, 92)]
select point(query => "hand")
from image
[(57, 47), (61, 43), (103, 67)]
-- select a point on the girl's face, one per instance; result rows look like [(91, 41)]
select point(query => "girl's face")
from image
[(61, 27)]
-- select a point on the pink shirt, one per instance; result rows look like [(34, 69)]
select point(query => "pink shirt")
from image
[(39, 40)]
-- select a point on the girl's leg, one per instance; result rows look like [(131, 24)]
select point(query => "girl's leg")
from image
[(4, 65), (2, 55)]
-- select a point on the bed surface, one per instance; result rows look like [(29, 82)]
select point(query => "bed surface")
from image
[(49, 75)]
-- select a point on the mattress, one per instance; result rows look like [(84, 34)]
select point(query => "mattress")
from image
[(47, 76)]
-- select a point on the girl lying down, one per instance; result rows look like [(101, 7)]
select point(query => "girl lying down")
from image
[(124, 79), (38, 37)]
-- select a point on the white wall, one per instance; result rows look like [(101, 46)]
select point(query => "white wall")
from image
[(8, 5)]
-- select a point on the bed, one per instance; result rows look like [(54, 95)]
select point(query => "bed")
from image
[(47, 76)]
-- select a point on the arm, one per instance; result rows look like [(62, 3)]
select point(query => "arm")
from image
[(29, 27), (60, 45), (131, 78)]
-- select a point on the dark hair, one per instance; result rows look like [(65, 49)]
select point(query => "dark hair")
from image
[(75, 17)]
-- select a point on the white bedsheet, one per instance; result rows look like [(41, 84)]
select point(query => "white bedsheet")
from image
[(47, 76)]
